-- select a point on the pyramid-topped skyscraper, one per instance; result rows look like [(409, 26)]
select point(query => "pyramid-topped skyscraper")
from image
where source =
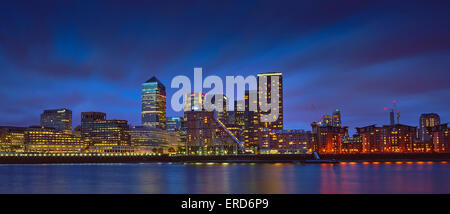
[(154, 104)]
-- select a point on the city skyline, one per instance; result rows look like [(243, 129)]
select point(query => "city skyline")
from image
[(366, 62), (325, 118)]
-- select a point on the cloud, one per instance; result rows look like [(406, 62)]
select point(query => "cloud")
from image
[(354, 55)]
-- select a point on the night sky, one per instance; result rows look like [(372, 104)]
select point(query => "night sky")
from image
[(358, 56)]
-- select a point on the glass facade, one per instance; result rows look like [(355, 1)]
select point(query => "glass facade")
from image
[(46, 140), (154, 104), (174, 124), (146, 140), (60, 119), (103, 135)]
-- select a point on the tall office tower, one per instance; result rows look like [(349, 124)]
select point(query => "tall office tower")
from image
[(427, 120), (237, 117), (60, 119), (392, 117), (266, 126), (223, 115), (193, 102), (154, 104), (326, 120), (336, 118), (252, 129)]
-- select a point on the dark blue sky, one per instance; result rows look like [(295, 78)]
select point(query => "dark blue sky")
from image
[(354, 55)]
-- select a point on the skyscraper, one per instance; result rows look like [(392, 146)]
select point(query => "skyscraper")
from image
[(392, 118), (427, 120), (60, 119), (252, 130), (326, 120), (333, 120), (265, 126), (336, 118), (278, 124), (154, 104)]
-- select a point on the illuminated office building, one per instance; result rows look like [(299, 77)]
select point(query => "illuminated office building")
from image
[(426, 121), (173, 124), (50, 140), (154, 104), (149, 140), (177, 143), (12, 139), (104, 135), (60, 119)]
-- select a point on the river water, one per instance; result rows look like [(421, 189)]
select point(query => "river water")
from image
[(405, 177)]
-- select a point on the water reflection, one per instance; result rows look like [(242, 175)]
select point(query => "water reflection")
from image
[(347, 177)]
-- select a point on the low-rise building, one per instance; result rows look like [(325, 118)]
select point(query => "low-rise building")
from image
[(12, 139), (50, 140), (103, 135)]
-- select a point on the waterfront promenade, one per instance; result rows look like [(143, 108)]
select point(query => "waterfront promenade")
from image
[(279, 158)]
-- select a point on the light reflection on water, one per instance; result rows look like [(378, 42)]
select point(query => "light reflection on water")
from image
[(347, 177)]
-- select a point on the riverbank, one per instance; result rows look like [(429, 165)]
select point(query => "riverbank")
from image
[(280, 158)]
